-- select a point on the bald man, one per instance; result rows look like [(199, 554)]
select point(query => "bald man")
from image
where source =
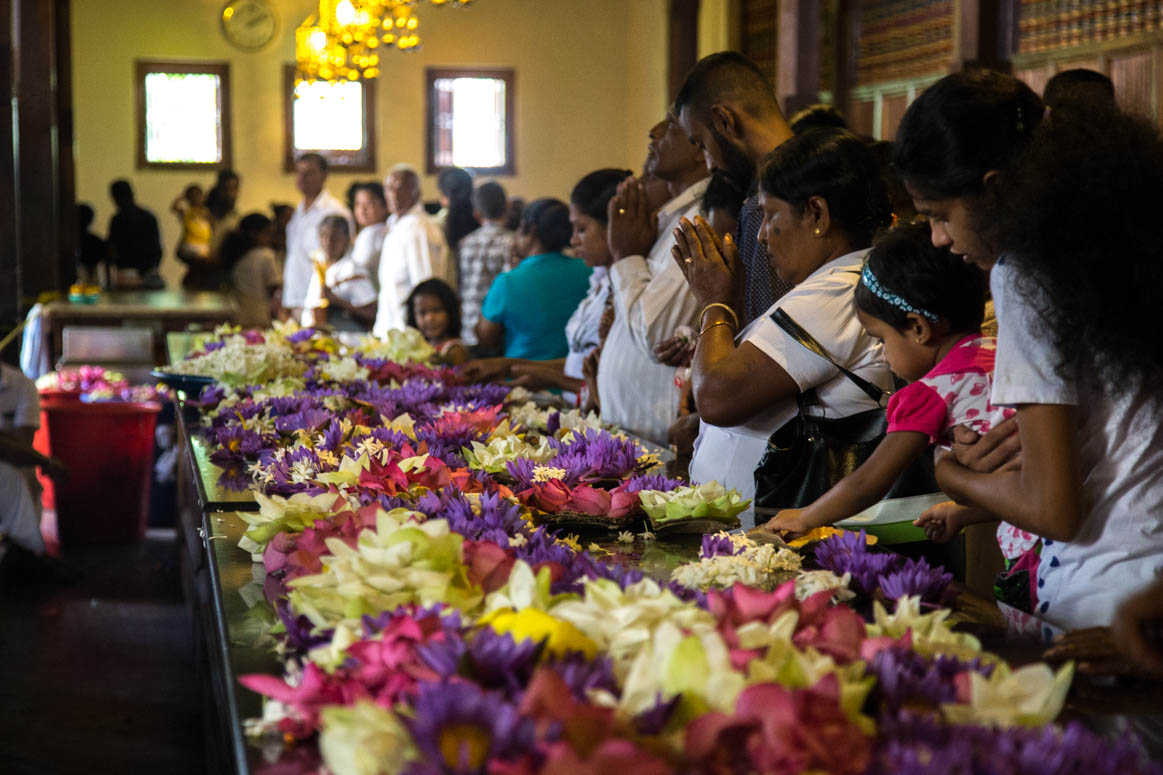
[(413, 251)]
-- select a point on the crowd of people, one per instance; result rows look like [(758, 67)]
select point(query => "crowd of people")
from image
[(759, 276)]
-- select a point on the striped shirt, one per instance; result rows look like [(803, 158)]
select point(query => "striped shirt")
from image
[(483, 254)]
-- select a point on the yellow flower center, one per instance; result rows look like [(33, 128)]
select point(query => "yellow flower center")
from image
[(464, 746), (546, 473)]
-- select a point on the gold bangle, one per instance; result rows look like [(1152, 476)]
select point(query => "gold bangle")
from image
[(720, 305), (716, 323)]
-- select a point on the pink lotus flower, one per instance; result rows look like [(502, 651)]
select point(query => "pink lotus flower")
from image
[(487, 564), (837, 631), (384, 668), (777, 731)]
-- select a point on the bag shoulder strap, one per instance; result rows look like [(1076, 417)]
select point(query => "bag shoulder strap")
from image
[(797, 332)]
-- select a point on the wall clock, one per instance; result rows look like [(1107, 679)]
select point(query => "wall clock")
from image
[(249, 24)]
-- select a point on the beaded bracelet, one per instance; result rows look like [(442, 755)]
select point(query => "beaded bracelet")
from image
[(720, 305)]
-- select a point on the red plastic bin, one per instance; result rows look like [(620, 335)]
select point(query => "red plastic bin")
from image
[(108, 448), (50, 397)]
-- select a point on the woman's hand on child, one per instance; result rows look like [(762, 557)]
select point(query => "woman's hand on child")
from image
[(1000, 449), (943, 521)]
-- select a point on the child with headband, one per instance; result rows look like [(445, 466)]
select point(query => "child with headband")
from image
[(926, 306)]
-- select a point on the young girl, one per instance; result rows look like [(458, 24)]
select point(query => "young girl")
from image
[(340, 292), (191, 210), (926, 306), (249, 259), (434, 310)]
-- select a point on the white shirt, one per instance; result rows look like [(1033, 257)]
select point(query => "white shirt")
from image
[(253, 277), (302, 240), (582, 328), (414, 251), (822, 305), (19, 408), (346, 279), (366, 249), (19, 401), (651, 300), (1119, 548)]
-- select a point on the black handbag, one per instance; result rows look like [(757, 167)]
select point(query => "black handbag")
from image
[(808, 455)]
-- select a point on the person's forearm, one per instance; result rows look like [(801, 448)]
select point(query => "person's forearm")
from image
[(869, 483), (1005, 496), (19, 454)]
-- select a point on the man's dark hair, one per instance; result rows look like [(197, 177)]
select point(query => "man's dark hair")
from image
[(725, 77), (121, 191), (85, 215), (490, 200), (1078, 87), (815, 116), (548, 219), (315, 158)]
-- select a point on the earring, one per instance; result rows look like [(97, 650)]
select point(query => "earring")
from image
[(817, 231)]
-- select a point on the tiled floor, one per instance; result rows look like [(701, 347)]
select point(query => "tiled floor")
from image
[(99, 676)]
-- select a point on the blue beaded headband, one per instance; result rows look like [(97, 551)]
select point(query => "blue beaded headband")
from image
[(878, 290)]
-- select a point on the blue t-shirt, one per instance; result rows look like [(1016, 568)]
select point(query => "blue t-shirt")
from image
[(534, 301)]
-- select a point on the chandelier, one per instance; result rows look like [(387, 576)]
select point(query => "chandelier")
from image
[(344, 39)]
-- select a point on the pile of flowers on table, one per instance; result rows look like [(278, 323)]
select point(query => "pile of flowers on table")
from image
[(433, 618)]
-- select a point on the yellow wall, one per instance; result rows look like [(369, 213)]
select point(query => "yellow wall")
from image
[(590, 81)]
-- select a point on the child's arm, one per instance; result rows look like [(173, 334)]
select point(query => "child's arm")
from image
[(945, 520), (1045, 496), (860, 489)]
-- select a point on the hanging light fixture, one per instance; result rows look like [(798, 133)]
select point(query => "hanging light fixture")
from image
[(344, 38)]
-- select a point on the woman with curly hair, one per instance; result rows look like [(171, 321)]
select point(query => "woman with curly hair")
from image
[(1069, 205)]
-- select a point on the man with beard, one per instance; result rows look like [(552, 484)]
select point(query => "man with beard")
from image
[(650, 297), (727, 107)]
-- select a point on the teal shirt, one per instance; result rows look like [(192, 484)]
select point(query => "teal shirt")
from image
[(534, 301)]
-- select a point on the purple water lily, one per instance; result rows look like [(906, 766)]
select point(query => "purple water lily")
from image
[(310, 419), (459, 728), (904, 678), (715, 545), (498, 521), (302, 335), (658, 482), (299, 629), (916, 577), (581, 674), (912, 743), (849, 553)]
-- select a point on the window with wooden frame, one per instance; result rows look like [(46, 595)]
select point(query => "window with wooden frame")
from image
[(335, 119), (470, 120), (183, 115)]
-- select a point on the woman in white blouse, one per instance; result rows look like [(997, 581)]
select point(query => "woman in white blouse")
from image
[(823, 199)]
